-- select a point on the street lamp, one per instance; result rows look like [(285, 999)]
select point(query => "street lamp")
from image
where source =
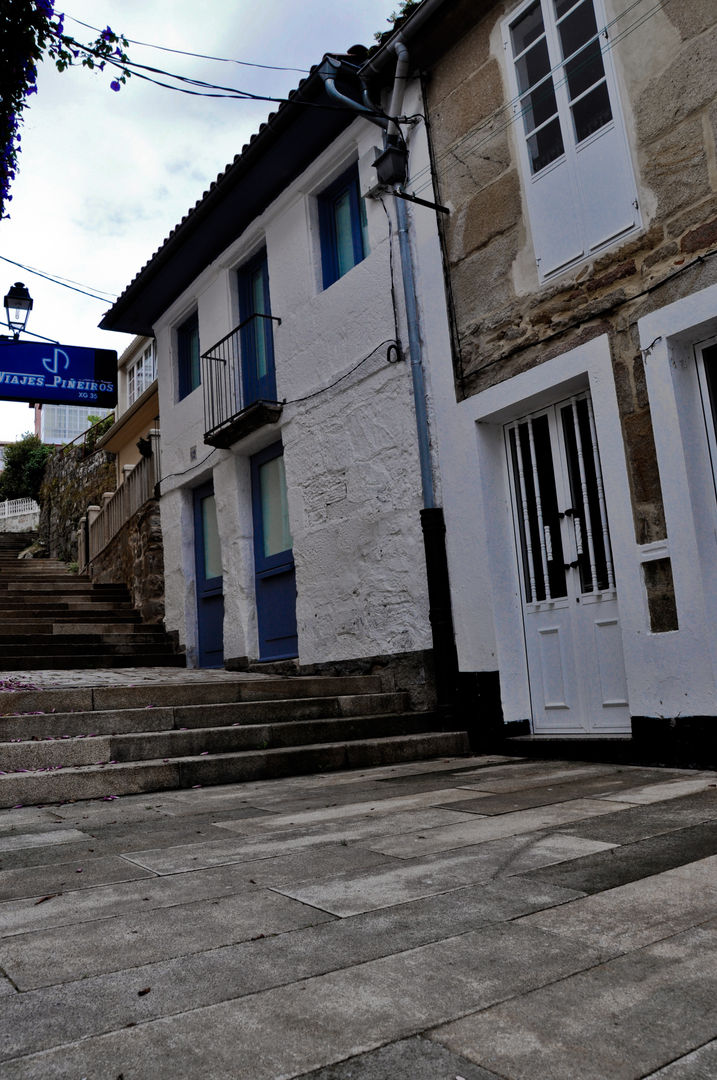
[(18, 304)]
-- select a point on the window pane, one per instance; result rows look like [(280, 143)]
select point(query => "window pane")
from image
[(259, 326), (538, 106), (561, 6), (533, 67), (592, 112), (344, 233), (577, 28), (545, 146), (526, 29), (210, 534), (274, 507), (584, 70)]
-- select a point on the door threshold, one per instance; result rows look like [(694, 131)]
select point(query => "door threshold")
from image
[(590, 736)]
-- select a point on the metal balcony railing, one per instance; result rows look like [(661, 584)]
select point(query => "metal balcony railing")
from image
[(229, 411)]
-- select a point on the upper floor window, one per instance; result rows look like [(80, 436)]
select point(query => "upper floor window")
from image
[(141, 374), (580, 188), (188, 356), (342, 223), (257, 339)]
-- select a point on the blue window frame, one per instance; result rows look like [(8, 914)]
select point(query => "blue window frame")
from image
[(342, 224), (188, 356), (257, 338)]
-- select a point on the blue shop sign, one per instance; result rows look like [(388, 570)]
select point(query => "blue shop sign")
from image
[(57, 374)]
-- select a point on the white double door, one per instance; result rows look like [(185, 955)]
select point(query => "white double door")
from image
[(570, 606)]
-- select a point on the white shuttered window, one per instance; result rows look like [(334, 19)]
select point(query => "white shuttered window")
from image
[(579, 183)]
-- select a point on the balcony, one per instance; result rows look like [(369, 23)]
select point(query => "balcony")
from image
[(238, 382)]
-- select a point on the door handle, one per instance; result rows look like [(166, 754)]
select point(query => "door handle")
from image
[(571, 565)]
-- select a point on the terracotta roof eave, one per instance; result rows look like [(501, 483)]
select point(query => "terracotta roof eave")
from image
[(277, 125)]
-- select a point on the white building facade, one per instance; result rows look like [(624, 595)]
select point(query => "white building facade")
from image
[(291, 490)]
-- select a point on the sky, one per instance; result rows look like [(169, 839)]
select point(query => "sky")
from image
[(104, 177)]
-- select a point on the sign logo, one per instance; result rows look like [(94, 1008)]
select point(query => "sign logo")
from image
[(52, 364)]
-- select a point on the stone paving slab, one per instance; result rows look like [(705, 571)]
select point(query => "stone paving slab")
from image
[(617, 786), (700, 1065), (326, 1018), (671, 789), (632, 862), (242, 849), (622, 1019), (76, 900), (295, 946), (353, 892), (635, 915), (16, 842), (409, 845), (130, 940), (41, 880), (46, 1017), (417, 1058), (443, 800), (642, 822)]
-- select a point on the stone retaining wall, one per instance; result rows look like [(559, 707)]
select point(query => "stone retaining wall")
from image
[(72, 482), (135, 557)]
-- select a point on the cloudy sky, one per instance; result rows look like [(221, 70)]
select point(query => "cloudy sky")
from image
[(105, 176)]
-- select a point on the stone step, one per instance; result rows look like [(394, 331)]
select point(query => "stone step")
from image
[(66, 585), (64, 725), (101, 781), (29, 756), (102, 660), (68, 627), (119, 644), (192, 692), (70, 602), (37, 643)]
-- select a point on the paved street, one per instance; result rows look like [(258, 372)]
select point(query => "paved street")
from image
[(473, 918)]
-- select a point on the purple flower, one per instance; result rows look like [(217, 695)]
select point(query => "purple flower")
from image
[(114, 85), (107, 34)]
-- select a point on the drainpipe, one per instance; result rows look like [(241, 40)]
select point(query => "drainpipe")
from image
[(432, 521)]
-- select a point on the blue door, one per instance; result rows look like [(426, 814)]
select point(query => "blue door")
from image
[(257, 335), (210, 597), (273, 556)]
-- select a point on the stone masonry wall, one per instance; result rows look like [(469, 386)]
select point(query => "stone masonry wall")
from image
[(135, 557), (505, 321), (71, 483)]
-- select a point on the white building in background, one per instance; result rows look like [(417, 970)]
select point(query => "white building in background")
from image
[(60, 424)]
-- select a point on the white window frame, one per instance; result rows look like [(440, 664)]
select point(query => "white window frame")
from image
[(708, 395), (141, 374), (586, 199)]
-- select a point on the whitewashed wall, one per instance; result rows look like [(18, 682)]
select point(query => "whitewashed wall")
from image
[(350, 452)]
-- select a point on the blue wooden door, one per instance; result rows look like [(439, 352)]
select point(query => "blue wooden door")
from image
[(257, 335), (210, 596), (273, 556)]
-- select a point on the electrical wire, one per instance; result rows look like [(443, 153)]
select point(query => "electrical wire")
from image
[(59, 281), (199, 56), (52, 341), (192, 467), (392, 343), (390, 266), (207, 89)]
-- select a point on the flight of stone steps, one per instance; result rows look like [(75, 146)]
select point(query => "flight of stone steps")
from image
[(52, 618), (100, 742)]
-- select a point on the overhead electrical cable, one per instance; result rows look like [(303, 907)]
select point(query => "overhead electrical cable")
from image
[(199, 56), (108, 298)]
